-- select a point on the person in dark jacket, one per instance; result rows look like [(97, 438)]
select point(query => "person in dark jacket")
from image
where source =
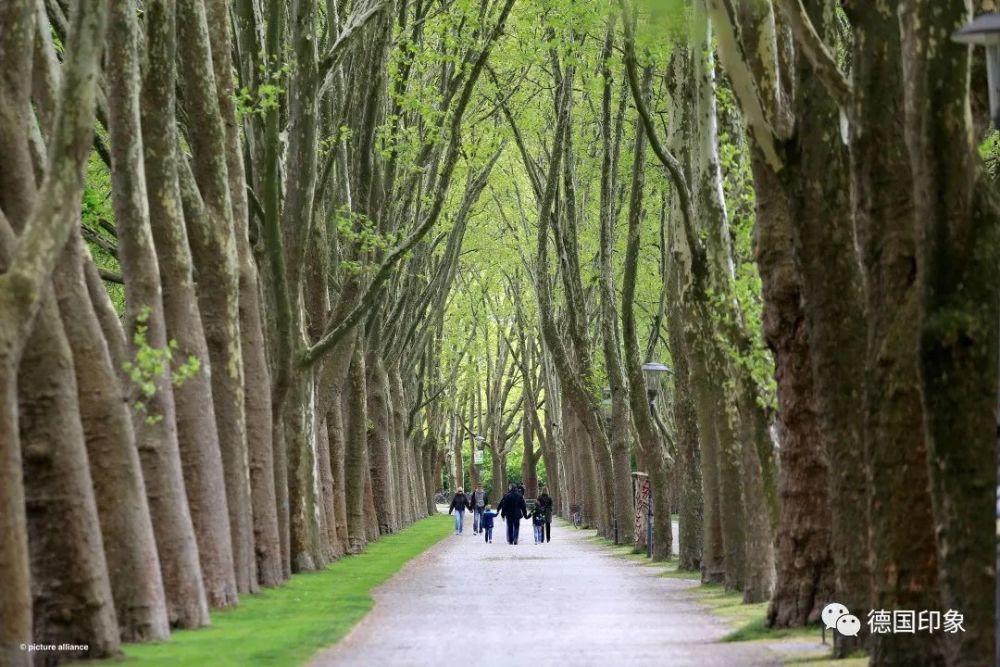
[(486, 524), (545, 504), (512, 510), (459, 504)]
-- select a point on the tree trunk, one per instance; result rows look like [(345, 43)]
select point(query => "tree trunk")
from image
[(356, 453), (904, 553), (688, 464), (404, 471), (432, 473), (46, 220), (213, 245), (815, 178), (713, 562), (281, 493), (327, 512), (372, 532), (338, 439), (257, 376), (380, 447), (303, 494), (529, 463), (120, 495), (758, 496), (71, 593), (804, 567), (171, 264), (15, 598), (956, 220)]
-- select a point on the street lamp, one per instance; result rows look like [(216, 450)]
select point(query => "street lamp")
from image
[(984, 30), (606, 412), (606, 406), (477, 454), (652, 371)]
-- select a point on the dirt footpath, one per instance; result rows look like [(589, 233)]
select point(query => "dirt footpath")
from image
[(566, 603)]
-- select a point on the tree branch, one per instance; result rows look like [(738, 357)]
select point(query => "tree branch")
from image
[(671, 163), (365, 302), (57, 206), (815, 51)]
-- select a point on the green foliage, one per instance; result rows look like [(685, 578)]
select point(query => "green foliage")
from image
[(989, 151), (741, 203), (362, 232), (285, 626), (150, 363), (96, 208), (267, 95)]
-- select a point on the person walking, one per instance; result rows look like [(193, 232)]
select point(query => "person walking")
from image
[(512, 510), (459, 504), (545, 503), (486, 525), (538, 524), (478, 500)]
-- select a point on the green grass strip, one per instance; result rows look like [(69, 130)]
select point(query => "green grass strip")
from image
[(288, 625)]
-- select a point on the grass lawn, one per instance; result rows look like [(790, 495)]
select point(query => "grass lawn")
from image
[(287, 625)]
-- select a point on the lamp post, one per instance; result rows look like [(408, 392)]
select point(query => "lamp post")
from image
[(652, 372), (606, 407), (984, 30)]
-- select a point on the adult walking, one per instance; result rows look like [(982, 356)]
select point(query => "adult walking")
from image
[(544, 504), (512, 509), (479, 500), (459, 504)]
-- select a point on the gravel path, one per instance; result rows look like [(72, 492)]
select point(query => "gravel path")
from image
[(567, 603)]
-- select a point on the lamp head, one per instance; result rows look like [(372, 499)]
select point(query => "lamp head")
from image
[(984, 30)]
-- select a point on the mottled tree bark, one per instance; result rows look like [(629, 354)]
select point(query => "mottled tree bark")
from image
[(620, 426), (956, 216), (326, 511), (759, 497), (638, 399), (256, 375), (300, 441), (529, 463), (356, 452), (195, 414), (120, 494), (212, 239), (71, 593), (380, 447), (691, 520), (816, 178), (46, 221), (159, 448), (804, 566), (904, 553), (338, 445)]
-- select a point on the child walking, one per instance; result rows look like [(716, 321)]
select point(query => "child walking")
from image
[(538, 523), (486, 523)]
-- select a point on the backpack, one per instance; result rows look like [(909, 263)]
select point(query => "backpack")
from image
[(480, 499)]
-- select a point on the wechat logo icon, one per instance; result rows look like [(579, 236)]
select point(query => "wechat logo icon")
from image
[(837, 617)]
